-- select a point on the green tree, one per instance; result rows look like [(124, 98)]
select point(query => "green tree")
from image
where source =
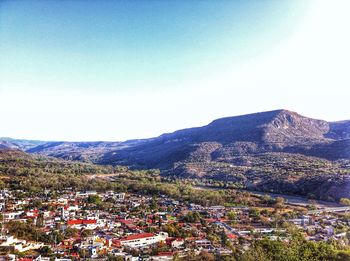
[(94, 199), (232, 215)]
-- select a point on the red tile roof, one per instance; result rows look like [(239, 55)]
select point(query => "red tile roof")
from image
[(166, 254), (138, 236), (81, 221), (116, 243), (126, 221), (231, 236)]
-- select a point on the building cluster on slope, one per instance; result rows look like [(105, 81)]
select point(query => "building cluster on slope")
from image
[(130, 226)]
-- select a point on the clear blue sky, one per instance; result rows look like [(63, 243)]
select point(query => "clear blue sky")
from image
[(115, 70)]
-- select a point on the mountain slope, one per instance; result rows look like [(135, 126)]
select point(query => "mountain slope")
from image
[(7, 145), (19, 144), (274, 131), (339, 130), (279, 151), (18, 163), (82, 151)]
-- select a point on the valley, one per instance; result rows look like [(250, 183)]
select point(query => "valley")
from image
[(276, 151)]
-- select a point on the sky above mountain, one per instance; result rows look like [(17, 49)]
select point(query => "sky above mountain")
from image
[(116, 70)]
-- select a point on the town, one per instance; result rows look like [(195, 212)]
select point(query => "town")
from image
[(112, 225)]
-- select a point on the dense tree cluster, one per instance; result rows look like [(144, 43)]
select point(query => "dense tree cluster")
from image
[(297, 249)]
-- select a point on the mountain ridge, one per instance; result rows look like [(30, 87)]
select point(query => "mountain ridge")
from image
[(275, 151), (273, 131), (276, 130)]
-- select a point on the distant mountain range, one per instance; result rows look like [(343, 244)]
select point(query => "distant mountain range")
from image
[(273, 131), (19, 144), (279, 151)]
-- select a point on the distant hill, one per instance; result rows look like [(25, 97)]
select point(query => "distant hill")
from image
[(273, 131), (7, 145), (279, 151), (16, 163), (82, 151), (20, 144)]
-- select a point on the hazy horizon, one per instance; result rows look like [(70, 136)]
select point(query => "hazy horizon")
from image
[(113, 71)]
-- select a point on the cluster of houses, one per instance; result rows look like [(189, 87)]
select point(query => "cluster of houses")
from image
[(322, 227), (133, 227)]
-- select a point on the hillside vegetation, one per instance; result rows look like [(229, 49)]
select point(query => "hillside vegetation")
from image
[(276, 151)]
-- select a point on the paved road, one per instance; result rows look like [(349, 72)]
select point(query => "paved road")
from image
[(336, 209), (301, 201)]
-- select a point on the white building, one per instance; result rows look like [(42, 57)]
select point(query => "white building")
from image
[(203, 243), (20, 245), (119, 196), (143, 239), (12, 215), (177, 243)]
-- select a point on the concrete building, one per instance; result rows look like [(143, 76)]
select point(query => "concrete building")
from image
[(143, 239)]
